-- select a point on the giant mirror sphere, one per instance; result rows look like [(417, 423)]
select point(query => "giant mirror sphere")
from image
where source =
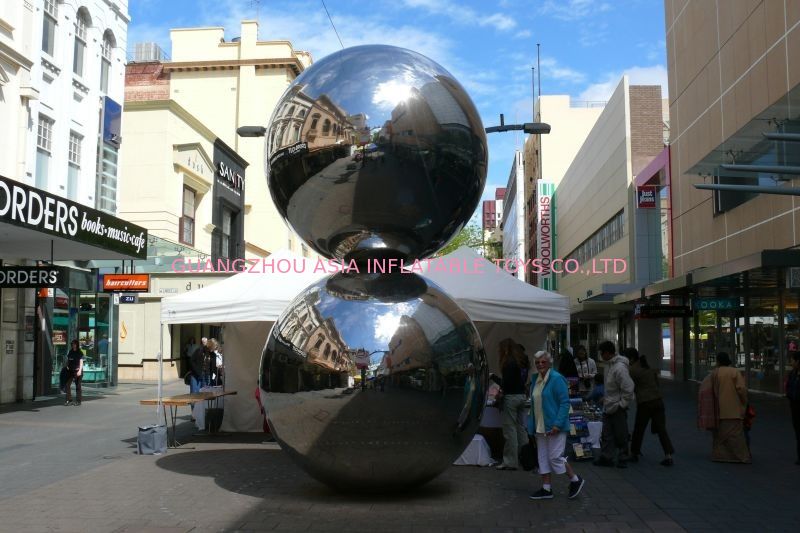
[(373, 381), (375, 152)]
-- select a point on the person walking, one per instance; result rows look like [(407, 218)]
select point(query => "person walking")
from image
[(649, 407), (549, 424), (196, 368), (514, 366), (618, 396), (75, 372), (587, 369), (729, 444), (793, 394)]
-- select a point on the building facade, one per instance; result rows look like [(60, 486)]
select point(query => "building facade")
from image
[(513, 225), (596, 225), (732, 86), (547, 157), (230, 83), (61, 67)]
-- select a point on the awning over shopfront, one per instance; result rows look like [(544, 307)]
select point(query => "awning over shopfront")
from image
[(759, 265), (35, 224)]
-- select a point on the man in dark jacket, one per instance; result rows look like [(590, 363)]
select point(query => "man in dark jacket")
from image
[(618, 396)]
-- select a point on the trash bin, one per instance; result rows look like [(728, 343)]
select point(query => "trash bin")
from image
[(152, 440), (214, 419)]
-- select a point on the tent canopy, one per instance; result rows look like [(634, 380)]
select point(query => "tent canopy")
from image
[(495, 295), (246, 297)]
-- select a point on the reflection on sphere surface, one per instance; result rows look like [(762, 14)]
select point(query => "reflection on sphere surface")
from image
[(376, 151), (373, 393)]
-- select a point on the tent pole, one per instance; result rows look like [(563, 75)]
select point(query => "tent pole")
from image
[(160, 371)]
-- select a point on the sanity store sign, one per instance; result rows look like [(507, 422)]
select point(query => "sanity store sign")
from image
[(35, 209)]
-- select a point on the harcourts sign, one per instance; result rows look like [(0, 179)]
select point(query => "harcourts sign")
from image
[(38, 210)]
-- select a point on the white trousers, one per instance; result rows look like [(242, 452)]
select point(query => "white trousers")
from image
[(550, 449)]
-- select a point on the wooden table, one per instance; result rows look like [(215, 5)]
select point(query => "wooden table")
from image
[(173, 402)]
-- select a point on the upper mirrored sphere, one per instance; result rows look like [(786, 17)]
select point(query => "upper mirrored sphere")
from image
[(376, 152)]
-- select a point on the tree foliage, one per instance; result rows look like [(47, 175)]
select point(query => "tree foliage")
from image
[(472, 237)]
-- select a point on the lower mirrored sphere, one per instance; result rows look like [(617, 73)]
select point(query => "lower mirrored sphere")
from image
[(373, 381)]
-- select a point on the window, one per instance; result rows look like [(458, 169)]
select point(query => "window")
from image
[(296, 133), (290, 112), (75, 148), (105, 61), (49, 26), (81, 23), (315, 118), (74, 165), (44, 139), (326, 126), (227, 222), (187, 216), (107, 186)]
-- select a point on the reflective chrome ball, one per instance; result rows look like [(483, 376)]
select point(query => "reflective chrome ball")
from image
[(376, 151), (373, 392)]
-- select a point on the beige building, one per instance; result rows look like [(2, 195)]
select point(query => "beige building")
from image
[(596, 220), (734, 84), (230, 83), (571, 122)]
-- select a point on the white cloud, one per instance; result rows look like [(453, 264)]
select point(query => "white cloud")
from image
[(523, 34), (498, 21), (601, 91), (572, 10), (553, 70), (462, 14)]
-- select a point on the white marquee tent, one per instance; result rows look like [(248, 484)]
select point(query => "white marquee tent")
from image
[(249, 303)]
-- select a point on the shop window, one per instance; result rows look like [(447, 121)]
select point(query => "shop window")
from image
[(187, 216), (227, 224), (105, 61), (49, 26), (81, 24)]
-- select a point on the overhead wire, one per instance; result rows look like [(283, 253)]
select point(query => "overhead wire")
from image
[(332, 24)]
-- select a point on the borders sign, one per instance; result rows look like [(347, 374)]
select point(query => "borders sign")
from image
[(38, 210)]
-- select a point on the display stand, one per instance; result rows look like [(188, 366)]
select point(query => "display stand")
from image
[(579, 442)]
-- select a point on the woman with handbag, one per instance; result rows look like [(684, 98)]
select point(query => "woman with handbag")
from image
[(514, 367), (549, 423), (730, 394)]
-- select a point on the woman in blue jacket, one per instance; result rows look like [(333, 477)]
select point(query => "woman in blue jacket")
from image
[(549, 423)]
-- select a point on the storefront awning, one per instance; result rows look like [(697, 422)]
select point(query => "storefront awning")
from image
[(35, 224), (765, 259)]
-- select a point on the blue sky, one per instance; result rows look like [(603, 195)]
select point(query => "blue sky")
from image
[(489, 45)]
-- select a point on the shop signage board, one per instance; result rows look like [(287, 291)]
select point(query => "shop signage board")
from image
[(35, 209), (128, 298), (59, 337), (29, 277), (126, 282), (646, 197), (715, 304), (660, 311), (545, 230)]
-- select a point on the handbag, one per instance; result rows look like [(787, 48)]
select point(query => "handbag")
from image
[(707, 407), (187, 379), (528, 457)]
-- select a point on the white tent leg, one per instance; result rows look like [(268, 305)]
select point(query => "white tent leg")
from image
[(160, 371)]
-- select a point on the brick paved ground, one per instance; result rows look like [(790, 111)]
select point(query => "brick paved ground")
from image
[(75, 469)]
